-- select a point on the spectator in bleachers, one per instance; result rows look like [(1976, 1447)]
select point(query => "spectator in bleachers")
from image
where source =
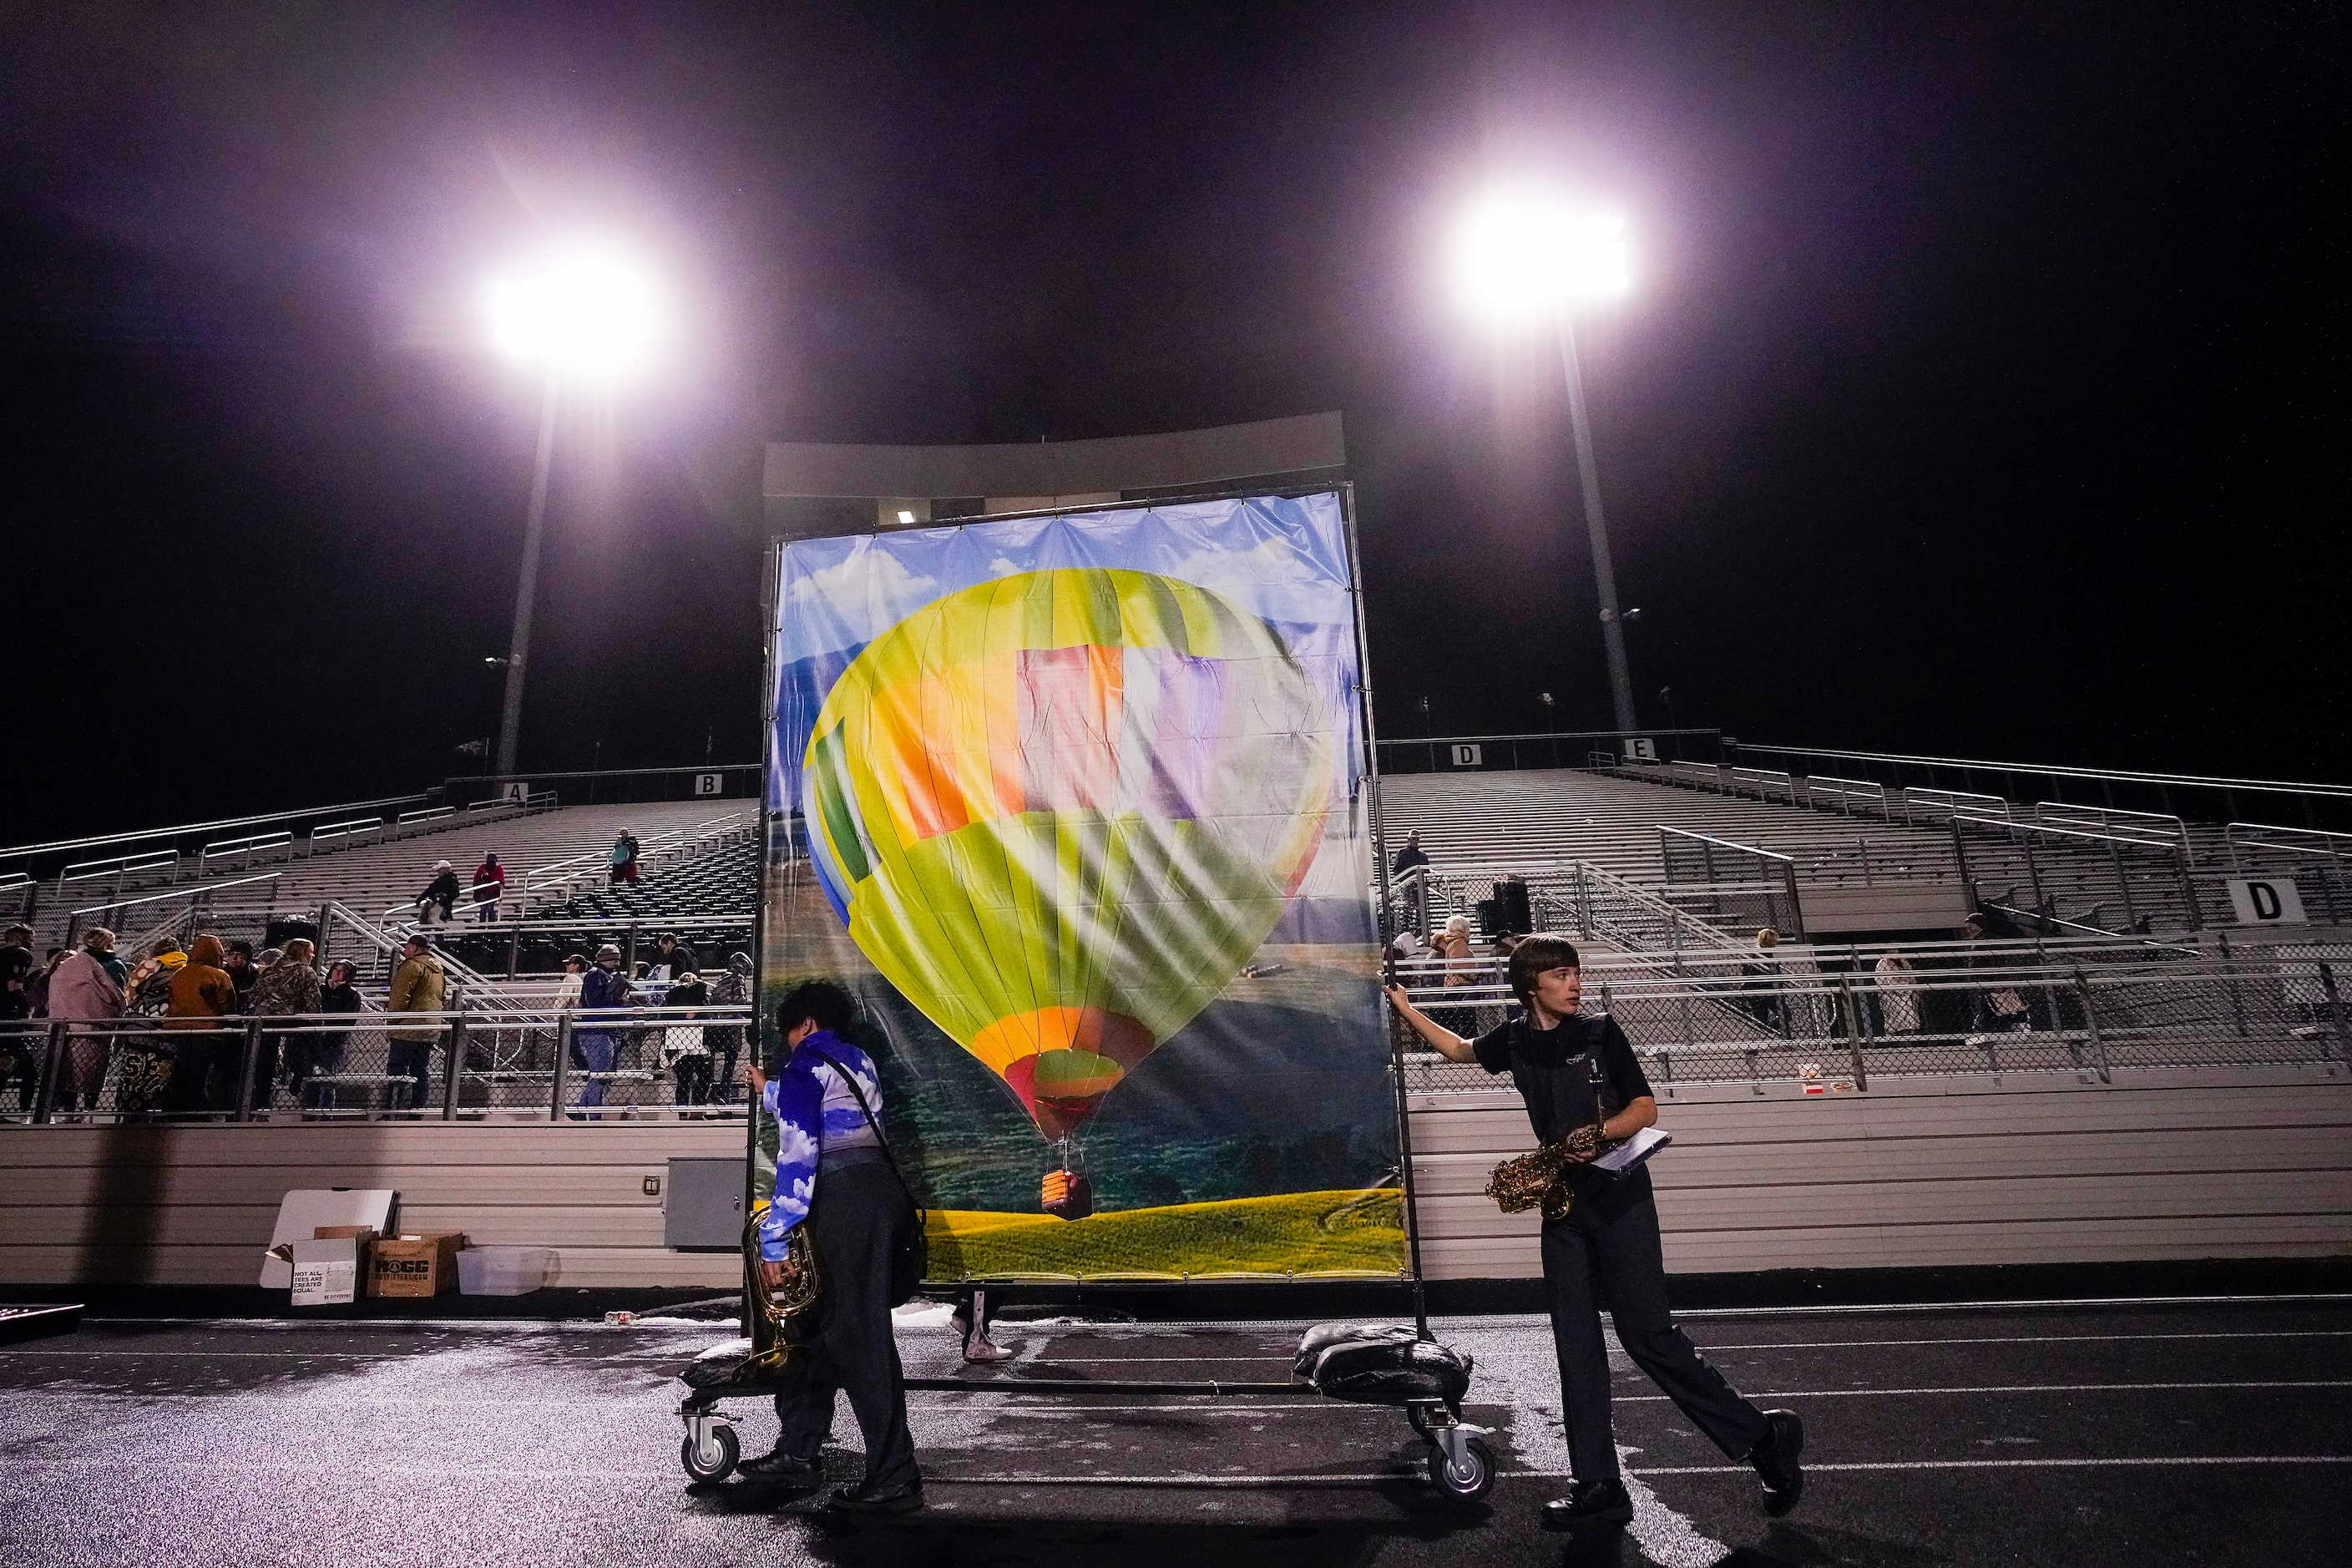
[(437, 904), (1762, 1001), (39, 988), (567, 990), (87, 990), (1408, 856), (624, 859), (288, 988), (489, 886), (731, 989), (202, 995), (16, 966), (418, 986), (322, 1052), (685, 1051), (602, 993), (1452, 946), (672, 958), (1898, 994), (242, 974), (143, 1064)]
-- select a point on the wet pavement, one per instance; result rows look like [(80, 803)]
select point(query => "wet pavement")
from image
[(2084, 1437)]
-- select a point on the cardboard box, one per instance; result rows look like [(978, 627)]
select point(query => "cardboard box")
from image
[(327, 1271), (422, 1265), (302, 1212)]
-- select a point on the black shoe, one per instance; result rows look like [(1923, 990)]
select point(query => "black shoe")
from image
[(908, 1499), (1775, 1460), (790, 1468), (1590, 1505)]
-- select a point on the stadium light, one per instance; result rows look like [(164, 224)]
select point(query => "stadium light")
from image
[(1522, 256), (587, 312)]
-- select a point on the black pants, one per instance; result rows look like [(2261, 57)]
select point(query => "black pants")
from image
[(196, 1063), (1587, 1261), (853, 1220)]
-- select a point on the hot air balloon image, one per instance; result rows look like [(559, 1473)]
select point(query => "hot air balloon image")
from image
[(1060, 809)]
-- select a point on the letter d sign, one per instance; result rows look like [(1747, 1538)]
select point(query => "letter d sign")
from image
[(2266, 901)]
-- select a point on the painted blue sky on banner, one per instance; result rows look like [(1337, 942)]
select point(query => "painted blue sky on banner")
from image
[(1284, 559)]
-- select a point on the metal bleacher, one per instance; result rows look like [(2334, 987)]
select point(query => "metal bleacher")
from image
[(550, 854)]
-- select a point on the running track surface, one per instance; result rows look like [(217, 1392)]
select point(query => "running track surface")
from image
[(2084, 1435)]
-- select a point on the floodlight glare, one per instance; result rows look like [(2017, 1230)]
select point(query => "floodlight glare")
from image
[(1521, 256), (589, 309)]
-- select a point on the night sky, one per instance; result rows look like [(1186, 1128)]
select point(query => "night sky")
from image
[(1982, 391)]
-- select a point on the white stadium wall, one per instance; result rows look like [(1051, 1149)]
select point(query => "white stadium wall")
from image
[(2171, 1167)]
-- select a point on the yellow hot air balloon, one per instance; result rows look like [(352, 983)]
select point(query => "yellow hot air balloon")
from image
[(1060, 810)]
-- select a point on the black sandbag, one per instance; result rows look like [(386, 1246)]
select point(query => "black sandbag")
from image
[(1382, 1363), (1323, 1336)]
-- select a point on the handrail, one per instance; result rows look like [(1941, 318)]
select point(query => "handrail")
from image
[(351, 830), (192, 890), (2012, 825), (121, 866), (2030, 770), (247, 846), (191, 829), (2335, 846), (1729, 843), (429, 814), (2059, 811)]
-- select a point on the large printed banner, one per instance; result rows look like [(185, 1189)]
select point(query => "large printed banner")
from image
[(1075, 807)]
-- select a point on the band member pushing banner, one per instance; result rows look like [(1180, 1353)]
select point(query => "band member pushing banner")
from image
[(1585, 1094)]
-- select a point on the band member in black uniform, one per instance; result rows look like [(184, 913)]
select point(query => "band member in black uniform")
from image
[(1605, 1247)]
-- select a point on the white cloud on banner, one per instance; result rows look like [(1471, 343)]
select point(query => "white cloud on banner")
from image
[(866, 586), (1273, 578)]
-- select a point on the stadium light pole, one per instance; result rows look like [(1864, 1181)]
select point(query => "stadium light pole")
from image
[(584, 315), (1521, 257)]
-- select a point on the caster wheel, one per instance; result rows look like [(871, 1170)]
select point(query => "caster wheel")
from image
[(713, 1460), (1467, 1482)]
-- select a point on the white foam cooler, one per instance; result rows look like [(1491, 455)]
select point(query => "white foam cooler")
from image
[(504, 1270)]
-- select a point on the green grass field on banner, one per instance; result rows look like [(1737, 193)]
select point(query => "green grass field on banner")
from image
[(1353, 1232)]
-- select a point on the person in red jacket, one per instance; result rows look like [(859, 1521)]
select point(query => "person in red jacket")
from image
[(489, 886)]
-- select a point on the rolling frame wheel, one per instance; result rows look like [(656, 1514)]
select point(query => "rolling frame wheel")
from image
[(1461, 1463), (710, 1449)]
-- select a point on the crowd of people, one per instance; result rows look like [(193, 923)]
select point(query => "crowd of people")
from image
[(191, 1060)]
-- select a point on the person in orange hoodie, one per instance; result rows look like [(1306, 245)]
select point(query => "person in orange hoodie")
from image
[(204, 1056)]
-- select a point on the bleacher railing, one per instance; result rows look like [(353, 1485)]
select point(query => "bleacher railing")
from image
[(2206, 797), (556, 882), (1836, 1032), (1562, 749), (457, 1064), (1748, 886)]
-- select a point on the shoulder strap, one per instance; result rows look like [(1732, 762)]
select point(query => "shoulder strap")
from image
[(851, 1079)]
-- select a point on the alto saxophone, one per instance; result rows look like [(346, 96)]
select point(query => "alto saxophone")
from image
[(772, 1311), (1540, 1179)]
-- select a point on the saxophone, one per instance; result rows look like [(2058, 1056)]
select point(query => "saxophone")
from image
[(774, 1345), (1540, 1179)]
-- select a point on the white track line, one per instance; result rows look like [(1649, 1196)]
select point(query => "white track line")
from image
[(2066, 1304), (1992, 1388), (2032, 1339), (1981, 1465)]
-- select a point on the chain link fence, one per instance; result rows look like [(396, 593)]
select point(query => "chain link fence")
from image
[(544, 1065), (2118, 1012)]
